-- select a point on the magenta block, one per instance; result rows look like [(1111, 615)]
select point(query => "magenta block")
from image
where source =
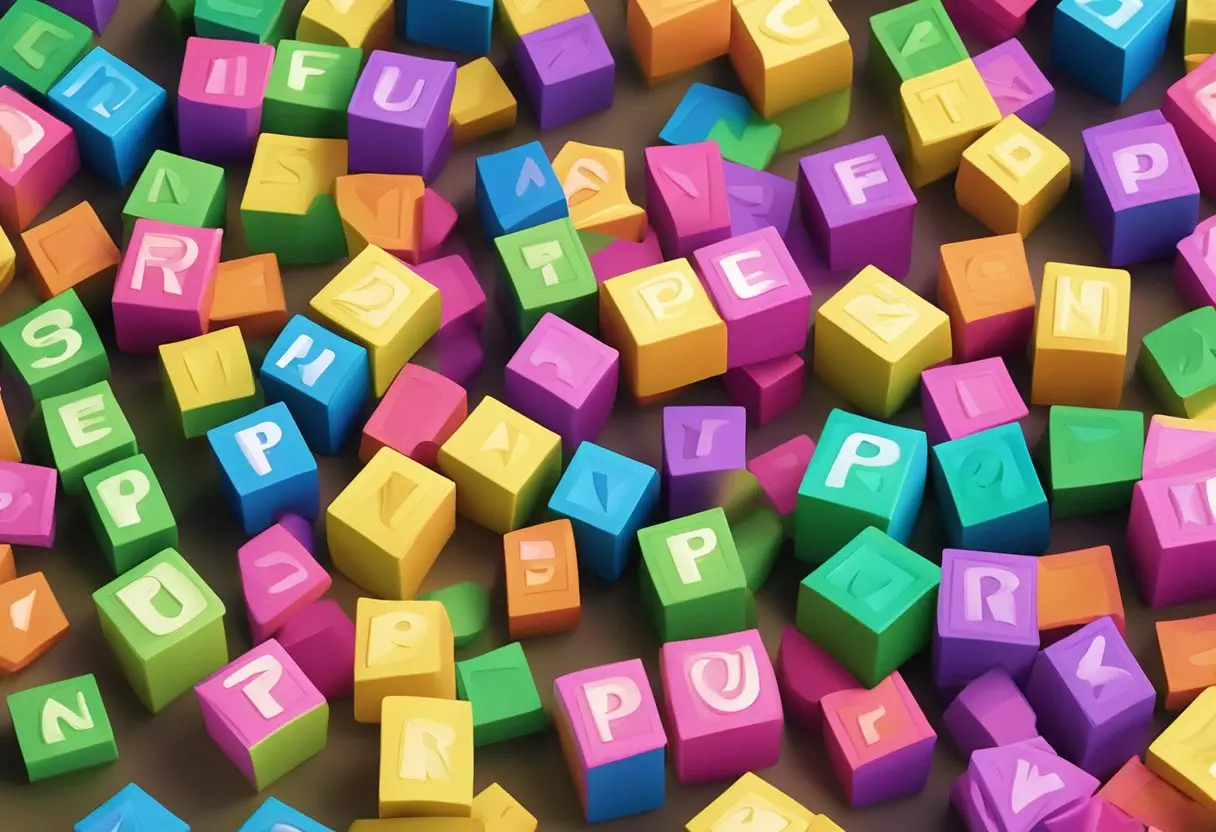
[(623, 256), (1094, 815), (767, 389), (758, 199), (321, 640), (1170, 536), (438, 221), (564, 379), (1190, 105), (686, 197), (165, 283), (567, 70), (702, 446), (38, 157), (95, 14), (961, 399), (975, 18), (27, 504), (1195, 265), (1017, 84), (279, 577), (300, 528), (780, 471), (1172, 450), (1017, 787), (419, 412), (858, 207), (760, 294), (461, 297), (806, 674), (455, 353), (990, 711), (219, 99)]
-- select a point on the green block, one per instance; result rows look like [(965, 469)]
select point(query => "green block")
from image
[(324, 79), (500, 687), (548, 271), (86, 430), (754, 146), (872, 605), (252, 21), (54, 348), (468, 607), (38, 45), (1178, 360), (179, 190), (308, 239), (177, 16), (1094, 459), (863, 473), (165, 627), (290, 745), (62, 727), (813, 121), (912, 40), (130, 516), (693, 584)]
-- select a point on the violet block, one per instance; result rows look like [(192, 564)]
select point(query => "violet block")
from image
[(989, 712), (1016, 83), (1017, 787), (567, 70), (219, 99), (702, 447), (95, 14), (758, 199)]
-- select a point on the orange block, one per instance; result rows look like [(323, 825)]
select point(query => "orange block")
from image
[(1188, 654), (8, 566), (984, 286), (249, 295), (1076, 588), (381, 209), (1152, 801), (542, 580), (10, 451), (68, 250), (30, 621), (661, 32)]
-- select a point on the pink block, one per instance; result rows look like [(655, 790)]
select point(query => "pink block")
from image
[(165, 283), (1190, 106), (564, 379), (1195, 265), (806, 674), (419, 411), (1017, 84), (1094, 815), (990, 711), (321, 640), (722, 704), (438, 222), (219, 98), (279, 577), (686, 197), (781, 469), (623, 256), (961, 399), (1171, 450), (1170, 535), (767, 389), (461, 297), (455, 353), (760, 294), (38, 156), (27, 517)]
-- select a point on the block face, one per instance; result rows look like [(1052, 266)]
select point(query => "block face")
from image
[(944, 111), (402, 648), (702, 446), (1167, 531), (278, 577), (518, 189), (401, 101), (1177, 446), (961, 399), (542, 579), (86, 430), (34, 622), (1185, 646), (419, 412), (62, 727), (263, 23), (593, 179), (321, 640), (71, 250), (1181, 754), (384, 210), (364, 24), (913, 40), (548, 272), (1095, 458), (1186, 106), (179, 190), (567, 70), (426, 758), (499, 810), (1150, 800), (751, 798), (249, 295), (686, 196), (989, 712), (462, 298), (130, 516), (1016, 83), (1174, 361), (38, 44), (42, 158), (1076, 588), (757, 199), (208, 380), (54, 347), (500, 687), (482, 103), (1195, 265), (984, 286), (219, 108), (1126, 42), (131, 805), (29, 519)]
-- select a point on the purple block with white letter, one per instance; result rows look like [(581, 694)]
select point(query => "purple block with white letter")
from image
[(1017, 787), (758, 199), (989, 712), (702, 446), (1195, 265), (567, 70), (1017, 84), (961, 399)]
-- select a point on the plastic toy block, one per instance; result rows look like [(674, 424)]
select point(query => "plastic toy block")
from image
[(618, 257), (1181, 754), (208, 380), (460, 294), (805, 674), (309, 88), (1199, 33), (1173, 360), (1178, 446), (542, 579), (458, 25), (1093, 459), (468, 607), (364, 24), (518, 189), (40, 157), (28, 519), (686, 196), (707, 112), (426, 759), (1140, 192), (1187, 656), (567, 70), (984, 286), (991, 21), (9, 450), (988, 713), (944, 112), (1080, 336), (658, 33), (500, 687), (279, 577), (95, 14), (402, 648), (911, 41), (38, 45), (757, 199), (1023, 785), (500, 812), (961, 399), (85, 430), (1016, 83), (62, 727), (128, 512), (1143, 796), (220, 98), (8, 569), (248, 294), (482, 103), (72, 250), (779, 472), (419, 412), (1109, 50), (456, 353), (175, 189), (132, 805), (381, 209), (288, 207), (593, 180), (1195, 265), (54, 348), (438, 222), (768, 389), (548, 272), (813, 121), (321, 640), (399, 115), (1168, 530), (165, 627), (1188, 106), (263, 21), (275, 814), (1076, 588), (519, 18), (702, 447), (33, 625)]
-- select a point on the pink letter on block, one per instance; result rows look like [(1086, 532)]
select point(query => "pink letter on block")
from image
[(805, 675), (418, 413), (767, 389), (461, 297), (1195, 265), (38, 156), (1190, 105), (1175, 447), (27, 504), (321, 640), (961, 399), (219, 98), (686, 197), (1170, 535), (279, 577)]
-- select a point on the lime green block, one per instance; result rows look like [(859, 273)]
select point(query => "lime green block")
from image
[(693, 583), (252, 21), (468, 607), (290, 745), (38, 45), (309, 239), (813, 121), (871, 605), (177, 16), (179, 190), (754, 146), (128, 512), (165, 627), (86, 430), (1094, 459), (1178, 360), (548, 271), (324, 77), (500, 687), (912, 40), (757, 529), (54, 348), (62, 727)]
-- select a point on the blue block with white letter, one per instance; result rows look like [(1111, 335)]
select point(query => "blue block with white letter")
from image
[(461, 25), (131, 808), (276, 816), (1110, 46), (518, 189)]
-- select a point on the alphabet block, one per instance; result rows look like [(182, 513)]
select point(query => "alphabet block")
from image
[(874, 337), (1076, 588), (365, 24), (619, 257), (275, 812), (1093, 459), (388, 525), (381, 209), (175, 189), (71, 250), (857, 207), (751, 800), (779, 472), (1187, 106), (85, 430), (1150, 800), (593, 179), (62, 727), (757, 199), (542, 579), (279, 577), (402, 648), (1016, 83), (128, 512), (42, 157), (658, 33), (1173, 360), (987, 616), (8, 569), (162, 655), (1080, 342), (419, 412), (548, 271), (768, 389), (1178, 755), (961, 399), (567, 70), (1110, 51), (1168, 531), (309, 88), (248, 294), (988, 713), (500, 687), (686, 196), (38, 45), (518, 189), (944, 112), (805, 674), (1186, 655), (500, 812), (131, 805), (29, 518), (482, 103), (1023, 778), (321, 640), (984, 286), (461, 296), (702, 447), (262, 22), (208, 380), (911, 41), (426, 758), (1140, 192), (34, 622), (220, 98), (54, 348), (879, 743)]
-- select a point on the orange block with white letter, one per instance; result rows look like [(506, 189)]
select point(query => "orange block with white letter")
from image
[(662, 34), (944, 112), (542, 580)]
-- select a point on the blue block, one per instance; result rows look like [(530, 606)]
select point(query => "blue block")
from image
[(267, 468), (131, 808), (322, 378), (700, 110), (517, 189), (1110, 46), (627, 787), (120, 117), (461, 25), (607, 497), (276, 816), (990, 495)]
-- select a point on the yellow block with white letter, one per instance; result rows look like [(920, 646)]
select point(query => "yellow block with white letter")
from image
[(402, 648), (365, 24), (426, 758), (500, 812), (1184, 754), (944, 112)]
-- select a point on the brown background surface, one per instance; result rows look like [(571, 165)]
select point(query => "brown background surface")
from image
[(170, 754)]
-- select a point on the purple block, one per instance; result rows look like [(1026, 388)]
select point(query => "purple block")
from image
[(780, 471), (987, 616), (805, 674), (961, 399), (1017, 84), (398, 114), (1195, 265), (758, 199), (768, 389), (462, 300), (858, 207), (1095, 704), (702, 446), (301, 529), (95, 14), (321, 641), (1171, 533), (686, 197), (1094, 815), (567, 71), (219, 99), (623, 256), (564, 379), (989, 712), (27, 504), (1021, 785)]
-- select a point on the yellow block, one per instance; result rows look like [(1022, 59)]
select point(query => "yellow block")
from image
[(500, 812), (365, 24), (519, 17), (1199, 34), (1193, 61), (208, 371), (593, 179), (1012, 177), (660, 32), (944, 111), (426, 758), (874, 337), (751, 802), (482, 103), (1184, 754), (379, 302), (1080, 336), (289, 173), (402, 648), (787, 53), (8, 261), (667, 330), (504, 466), (387, 526)]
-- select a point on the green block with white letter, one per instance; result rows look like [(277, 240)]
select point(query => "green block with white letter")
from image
[(127, 509), (309, 89), (54, 348), (62, 727), (548, 271), (85, 430)]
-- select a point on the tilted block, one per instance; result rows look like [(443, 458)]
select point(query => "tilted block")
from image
[(461, 297), (567, 70), (62, 727), (275, 812), (1169, 529), (34, 622), (500, 687), (702, 447), (1016, 83), (911, 41), (658, 34), (500, 812), (593, 179), (757, 199), (944, 111), (779, 472), (381, 209), (131, 805), (989, 712), (519, 17), (710, 113), (179, 190), (85, 430), (961, 399), (54, 348), (399, 115), (364, 24), (542, 579), (321, 641), (1150, 800), (220, 98), (1110, 50), (29, 517), (1188, 106), (518, 189), (1093, 458), (768, 389), (419, 412), (426, 758), (459, 25), (262, 22), (402, 648), (1181, 754), (309, 88), (249, 295), (482, 103), (984, 286), (618, 257), (128, 512), (1019, 786), (1186, 647), (805, 674), (40, 159), (548, 271), (279, 577), (208, 380), (1195, 265), (751, 800), (1174, 359), (686, 196), (1076, 588), (1178, 446), (38, 45)]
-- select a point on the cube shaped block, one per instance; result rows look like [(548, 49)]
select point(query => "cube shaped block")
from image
[(85, 430), (1195, 265), (402, 648), (944, 111), (1094, 458), (1144, 796), (984, 286), (910, 41), (482, 103), (1185, 654), (179, 190), (279, 577), (1025, 769), (398, 114), (72, 250), (1174, 360), (461, 296), (961, 399), (42, 158), (1186, 106), (1110, 51), (1168, 531), (128, 512), (308, 90), (382, 209), (38, 45), (751, 797), (452, 24), (208, 380), (594, 179), (702, 447), (1178, 755), (567, 70), (517, 189), (686, 196), (548, 271), (267, 23), (131, 805), (989, 712), (779, 472), (419, 412), (500, 687), (757, 199), (54, 348), (657, 33), (29, 518), (62, 727), (34, 624), (418, 736), (321, 640), (805, 674), (1076, 588), (1175, 446), (1016, 83), (220, 98), (249, 295), (767, 389)]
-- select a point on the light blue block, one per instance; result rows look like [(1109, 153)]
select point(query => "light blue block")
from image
[(607, 498), (267, 468), (627, 787), (1110, 46), (517, 189), (276, 816), (322, 378), (131, 808), (120, 117), (461, 25), (990, 495), (701, 108)]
